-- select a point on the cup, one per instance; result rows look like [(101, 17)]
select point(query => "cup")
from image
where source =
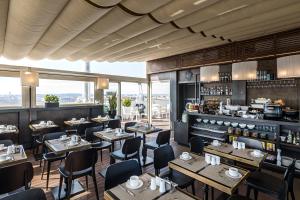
[(82, 119), (207, 158), (213, 160), (49, 123), (73, 119), (233, 171), (215, 142), (153, 184), (162, 186), (134, 181), (74, 138), (239, 145), (42, 122), (63, 137), (10, 149), (243, 145), (218, 160), (185, 155), (235, 144)]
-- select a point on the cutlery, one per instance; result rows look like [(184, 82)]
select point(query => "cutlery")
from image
[(125, 190)]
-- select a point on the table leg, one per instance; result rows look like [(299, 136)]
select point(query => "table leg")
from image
[(146, 160)]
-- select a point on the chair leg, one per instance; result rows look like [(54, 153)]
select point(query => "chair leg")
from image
[(43, 171), (87, 182), (69, 186), (101, 155), (193, 187), (60, 186), (48, 174), (95, 184), (292, 194)]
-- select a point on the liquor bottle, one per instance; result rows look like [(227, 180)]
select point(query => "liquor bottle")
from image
[(278, 158)]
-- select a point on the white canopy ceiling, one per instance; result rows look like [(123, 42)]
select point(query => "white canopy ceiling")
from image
[(134, 30)]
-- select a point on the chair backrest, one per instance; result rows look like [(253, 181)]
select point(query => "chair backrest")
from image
[(89, 132), (196, 145), (82, 127), (33, 194), (163, 137), (128, 124), (162, 156), (15, 176), (114, 123), (81, 160), (131, 146), (119, 173), (289, 175), (6, 142), (251, 143), (52, 136)]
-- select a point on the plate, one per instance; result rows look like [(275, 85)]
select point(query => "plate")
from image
[(234, 177), (256, 156), (134, 188), (185, 159), (64, 139), (73, 144)]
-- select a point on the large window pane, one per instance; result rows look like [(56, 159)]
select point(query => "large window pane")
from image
[(69, 92), (136, 94), (10, 92)]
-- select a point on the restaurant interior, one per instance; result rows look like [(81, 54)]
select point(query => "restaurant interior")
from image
[(173, 99)]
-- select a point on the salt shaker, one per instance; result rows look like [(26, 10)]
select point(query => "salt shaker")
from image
[(153, 183), (162, 186)]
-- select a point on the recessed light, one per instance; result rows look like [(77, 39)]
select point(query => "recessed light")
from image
[(177, 13), (233, 9), (198, 2)]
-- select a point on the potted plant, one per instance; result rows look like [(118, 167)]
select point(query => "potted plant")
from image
[(112, 100), (51, 101), (126, 102)]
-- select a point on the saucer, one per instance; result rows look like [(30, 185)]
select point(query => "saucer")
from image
[(134, 188), (189, 158), (73, 144), (238, 176), (256, 156)]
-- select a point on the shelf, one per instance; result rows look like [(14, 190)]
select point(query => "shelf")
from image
[(216, 82), (290, 145), (207, 136), (207, 129), (216, 95), (263, 140)]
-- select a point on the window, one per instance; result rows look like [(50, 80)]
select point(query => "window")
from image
[(10, 92), (69, 92), (136, 93)]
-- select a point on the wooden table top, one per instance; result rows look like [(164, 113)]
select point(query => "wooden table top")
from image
[(143, 129), (112, 136), (100, 119), (120, 192), (14, 158), (240, 155), (39, 127), (59, 146), (213, 176), (76, 122)]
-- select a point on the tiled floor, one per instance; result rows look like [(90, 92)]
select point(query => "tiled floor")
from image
[(90, 194)]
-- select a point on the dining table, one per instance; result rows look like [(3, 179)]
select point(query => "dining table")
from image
[(77, 122), (144, 129), (112, 136), (8, 131), (18, 156), (244, 156), (64, 145), (214, 176), (121, 192), (101, 120)]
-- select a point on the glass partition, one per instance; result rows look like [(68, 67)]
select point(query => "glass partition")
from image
[(10, 92)]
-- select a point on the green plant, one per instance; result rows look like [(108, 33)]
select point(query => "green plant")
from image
[(49, 98), (126, 102), (112, 100)]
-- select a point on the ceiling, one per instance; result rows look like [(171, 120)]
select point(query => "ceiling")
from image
[(134, 30)]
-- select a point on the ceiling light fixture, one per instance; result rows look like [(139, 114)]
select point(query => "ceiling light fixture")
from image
[(177, 13), (233, 9), (198, 2)]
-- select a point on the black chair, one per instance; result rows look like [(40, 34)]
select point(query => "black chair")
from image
[(82, 127), (163, 138), (114, 123), (78, 164), (130, 150), (129, 124), (50, 157), (100, 145), (196, 145), (32, 194), (6, 142), (162, 156), (271, 185), (251, 143), (15, 176), (119, 173)]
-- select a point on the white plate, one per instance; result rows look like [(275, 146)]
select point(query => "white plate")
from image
[(73, 144), (134, 188), (216, 145), (185, 159), (256, 156), (234, 177)]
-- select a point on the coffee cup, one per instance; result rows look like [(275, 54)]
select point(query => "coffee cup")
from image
[(243, 145), (63, 137), (134, 181), (235, 144), (213, 160), (74, 138), (185, 155), (207, 158), (233, 171)]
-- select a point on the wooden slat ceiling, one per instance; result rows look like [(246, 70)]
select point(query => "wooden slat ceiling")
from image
[(135, 30)]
